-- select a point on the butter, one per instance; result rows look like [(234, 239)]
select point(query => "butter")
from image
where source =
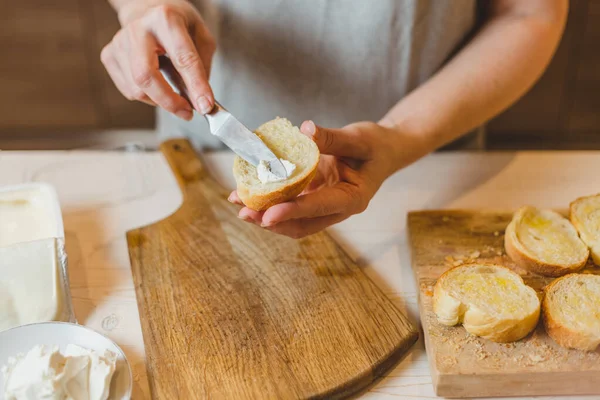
[(497, 287), (579, 304), (547, 238), (30, 287), (266, 176), (79, 374), (26, 215)]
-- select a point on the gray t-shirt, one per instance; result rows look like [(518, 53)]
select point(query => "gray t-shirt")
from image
[(332, 61)]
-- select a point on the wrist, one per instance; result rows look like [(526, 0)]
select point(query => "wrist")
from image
[(131, 10), (408, 144)]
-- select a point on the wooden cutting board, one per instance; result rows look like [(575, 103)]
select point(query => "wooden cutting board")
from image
[(229, 310), (466, 366)]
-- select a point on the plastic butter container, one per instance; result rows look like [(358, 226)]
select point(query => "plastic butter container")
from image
[(34, 279)]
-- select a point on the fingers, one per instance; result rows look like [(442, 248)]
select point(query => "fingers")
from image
[(341, 198), (206, 46), (131, 59), (115, 72), (145, 74), (337, 142), (300, 228), (172, 32), (304, 216), (250, 215), (297, 228), (118, 77), (245, 213), (235, 198)]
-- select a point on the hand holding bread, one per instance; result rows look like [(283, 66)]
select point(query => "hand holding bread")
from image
[(288, 143), (354, 162), (337, 171)]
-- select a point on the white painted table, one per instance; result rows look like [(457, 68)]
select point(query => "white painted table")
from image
[(105, 194)]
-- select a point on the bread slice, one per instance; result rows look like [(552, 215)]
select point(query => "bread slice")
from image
[(585, 216), (288, 143), (490, 301), (544, 242), (571, 311)]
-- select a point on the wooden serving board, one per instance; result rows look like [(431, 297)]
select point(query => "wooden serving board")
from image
[(229, 310), (463, 365)]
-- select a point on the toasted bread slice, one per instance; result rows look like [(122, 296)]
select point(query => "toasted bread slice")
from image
[(544, 242), (571, 311), (490, 301), (585, 216), (288, 143)]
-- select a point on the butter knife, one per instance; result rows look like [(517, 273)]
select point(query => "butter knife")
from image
[(226, 127)]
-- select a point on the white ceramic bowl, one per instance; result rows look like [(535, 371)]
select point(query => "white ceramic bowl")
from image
[(21, 339)]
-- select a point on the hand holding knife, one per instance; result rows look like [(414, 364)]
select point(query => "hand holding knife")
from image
[(226, 127)]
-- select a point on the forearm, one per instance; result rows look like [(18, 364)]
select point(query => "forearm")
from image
[(503, 60)]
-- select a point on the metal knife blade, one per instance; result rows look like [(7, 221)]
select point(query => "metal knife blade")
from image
[(242, 141), (227, 128)]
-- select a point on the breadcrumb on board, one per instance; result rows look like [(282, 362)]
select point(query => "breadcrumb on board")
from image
[(427, 289), (535, 352), (455, 351)]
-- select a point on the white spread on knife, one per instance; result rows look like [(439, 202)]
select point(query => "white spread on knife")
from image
[(79, 374), (265, 175), (30, 290)]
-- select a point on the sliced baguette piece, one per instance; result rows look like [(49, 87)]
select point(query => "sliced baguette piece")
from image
[(544, 242), (288, 143), (490, 301), (585, 216), (571, 311)]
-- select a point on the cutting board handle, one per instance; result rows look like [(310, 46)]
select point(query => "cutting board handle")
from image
[(184, 161)]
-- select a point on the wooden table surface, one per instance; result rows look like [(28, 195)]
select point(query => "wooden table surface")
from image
[(104, 194)]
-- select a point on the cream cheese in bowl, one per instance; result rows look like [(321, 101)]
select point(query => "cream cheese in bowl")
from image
[(34, 284), (58, 360)]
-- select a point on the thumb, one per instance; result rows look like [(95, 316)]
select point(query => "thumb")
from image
[(336, 142)]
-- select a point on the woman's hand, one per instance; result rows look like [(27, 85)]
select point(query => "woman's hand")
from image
[(158, 27), (355, 160)]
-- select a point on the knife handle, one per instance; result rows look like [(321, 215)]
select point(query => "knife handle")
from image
[(176, 82)]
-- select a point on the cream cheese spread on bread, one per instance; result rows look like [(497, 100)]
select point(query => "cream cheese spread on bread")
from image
[(265, 175)]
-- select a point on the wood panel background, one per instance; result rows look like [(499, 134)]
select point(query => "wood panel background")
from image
[(51, 76), (562, 109), (53, 82)]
